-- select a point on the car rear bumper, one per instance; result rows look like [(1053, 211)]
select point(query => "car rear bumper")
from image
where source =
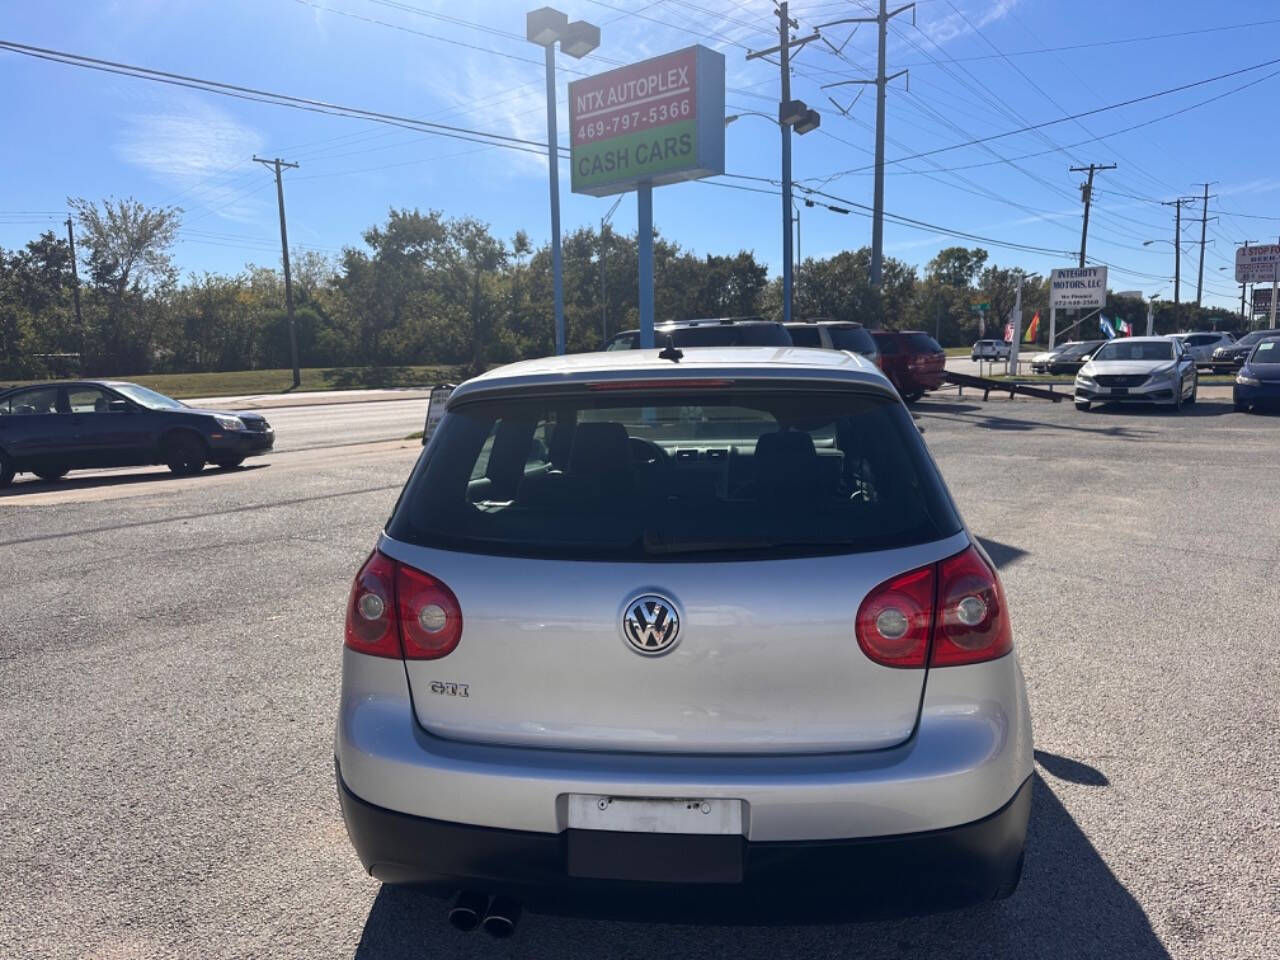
[(970, 752), (607, 872)]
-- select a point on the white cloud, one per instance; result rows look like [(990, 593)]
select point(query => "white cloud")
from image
[(196, 148), (953, 26)]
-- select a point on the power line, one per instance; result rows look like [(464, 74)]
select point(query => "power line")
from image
[(264, 96), (1111, 43), (1028, 128)]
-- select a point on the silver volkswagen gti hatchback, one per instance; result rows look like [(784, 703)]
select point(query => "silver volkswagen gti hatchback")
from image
[(711, 627)]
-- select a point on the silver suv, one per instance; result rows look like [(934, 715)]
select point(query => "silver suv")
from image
[(702, 621)]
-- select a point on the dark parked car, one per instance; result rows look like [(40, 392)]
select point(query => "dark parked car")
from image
[(723, 332), (53, 428), (1065, 358), (1230, 358), (1258, 381), (835, 335), (912, 360)]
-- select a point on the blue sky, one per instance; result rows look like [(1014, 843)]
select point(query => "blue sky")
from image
[(973, 73)]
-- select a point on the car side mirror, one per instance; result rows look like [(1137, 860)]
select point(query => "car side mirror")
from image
[(1086, 358), (119, 406)]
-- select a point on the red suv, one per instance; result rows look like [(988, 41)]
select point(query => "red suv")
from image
[(912, 360)]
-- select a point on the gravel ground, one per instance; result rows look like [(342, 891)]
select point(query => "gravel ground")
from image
[(168, 680)]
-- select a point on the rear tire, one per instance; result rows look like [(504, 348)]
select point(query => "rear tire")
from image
[(54, 474), (7, 470), (1083, 406), (229, 463), (184, 455)]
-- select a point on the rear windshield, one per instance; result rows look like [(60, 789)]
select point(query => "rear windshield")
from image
[(805, 335), (728, 335), (1268, 351), (922, 343), (856, 339), (656, 476)]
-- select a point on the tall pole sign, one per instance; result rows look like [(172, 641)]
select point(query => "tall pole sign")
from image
[(646, 125)]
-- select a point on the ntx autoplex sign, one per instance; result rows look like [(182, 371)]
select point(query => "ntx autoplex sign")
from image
[(656, 122)]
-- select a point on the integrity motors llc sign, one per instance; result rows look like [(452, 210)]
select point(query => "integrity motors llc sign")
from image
[(1075, 288), (657, 122)]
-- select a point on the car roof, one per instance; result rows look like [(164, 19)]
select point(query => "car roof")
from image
[(705, 322), (45, 384), (747, 363), (824, 322)]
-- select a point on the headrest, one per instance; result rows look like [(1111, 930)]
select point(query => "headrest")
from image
[(600, 447)]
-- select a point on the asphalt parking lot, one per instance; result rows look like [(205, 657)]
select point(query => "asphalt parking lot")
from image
[(169, 669)]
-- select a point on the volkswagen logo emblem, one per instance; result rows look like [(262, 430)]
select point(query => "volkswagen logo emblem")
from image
[(651, 625)]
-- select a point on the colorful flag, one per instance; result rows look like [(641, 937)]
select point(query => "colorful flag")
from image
[(1108, 330), (1008, 332), (1033, 329), (1124, 328)]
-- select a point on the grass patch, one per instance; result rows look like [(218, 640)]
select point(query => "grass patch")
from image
[(246, 382)]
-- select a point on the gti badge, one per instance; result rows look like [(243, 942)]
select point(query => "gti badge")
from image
[(651, 625)]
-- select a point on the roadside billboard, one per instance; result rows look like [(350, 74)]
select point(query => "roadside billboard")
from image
[(657, 122), (1260, 264), (1078, 288), (1262, 301)]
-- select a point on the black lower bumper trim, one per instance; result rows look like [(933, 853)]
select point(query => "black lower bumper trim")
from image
[(678, 877)]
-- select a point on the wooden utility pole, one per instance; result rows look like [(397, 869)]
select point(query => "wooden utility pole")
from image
[(278, 165), (1086, 194), (75, 283), (1204, 223), (1177, 256)]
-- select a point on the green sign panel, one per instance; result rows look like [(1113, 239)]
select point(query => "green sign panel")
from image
[(656, 122)]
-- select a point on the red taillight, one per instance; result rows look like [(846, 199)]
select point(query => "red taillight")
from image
[(896, 618), (430, 618), (371, 619), (397, 611), (972, 622), (945, 614)]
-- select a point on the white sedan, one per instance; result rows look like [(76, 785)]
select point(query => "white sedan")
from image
[(1155, 370)]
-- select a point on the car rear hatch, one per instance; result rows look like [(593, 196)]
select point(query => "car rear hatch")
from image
[(671, 572), (926, 360)]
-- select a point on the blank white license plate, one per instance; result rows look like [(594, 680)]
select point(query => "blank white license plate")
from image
[(638, 815)]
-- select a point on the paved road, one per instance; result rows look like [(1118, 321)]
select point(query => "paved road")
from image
[(301, 428), (168, 675)]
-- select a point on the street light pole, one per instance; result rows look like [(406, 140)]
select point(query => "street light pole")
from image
[(553, 168), (784, 39), (545, 27)]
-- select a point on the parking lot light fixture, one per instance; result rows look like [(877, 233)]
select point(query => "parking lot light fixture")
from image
[(579, 39), (546, 26)]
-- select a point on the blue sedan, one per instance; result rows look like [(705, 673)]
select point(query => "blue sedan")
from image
[(51, 428), (1259, 379)]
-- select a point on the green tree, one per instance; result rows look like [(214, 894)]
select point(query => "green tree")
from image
[(127, 251)]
